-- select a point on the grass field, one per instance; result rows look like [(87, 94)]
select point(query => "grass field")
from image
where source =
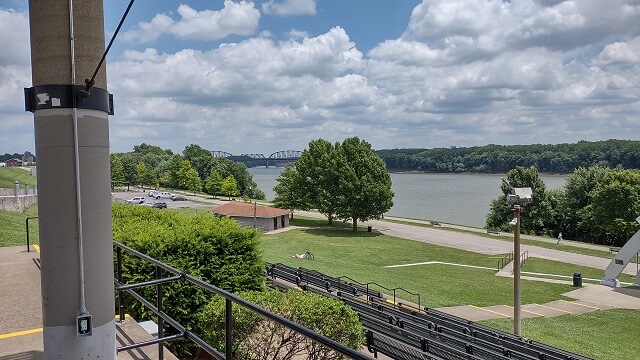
[(557, 268), (602, 335), (13, 227), (363, 257), (9, 175)]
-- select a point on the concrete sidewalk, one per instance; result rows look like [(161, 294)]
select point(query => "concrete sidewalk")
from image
[(20, 304)]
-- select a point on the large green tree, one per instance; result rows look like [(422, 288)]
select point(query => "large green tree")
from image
[(345, 181), (145, 174), (229, 187), (577, 190), (316, 181), (187, 177), (117, 170), (365, 185), (614, 206), (213, 183), (129, 166), (193, 151), (288, 192)]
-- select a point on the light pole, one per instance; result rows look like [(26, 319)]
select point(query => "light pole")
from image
[(518, 198), (516, 271), (255, 205)]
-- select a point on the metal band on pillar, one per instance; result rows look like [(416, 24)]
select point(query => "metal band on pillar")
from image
[(61, 97)]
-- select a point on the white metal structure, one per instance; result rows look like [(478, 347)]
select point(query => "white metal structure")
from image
[(620, 261)]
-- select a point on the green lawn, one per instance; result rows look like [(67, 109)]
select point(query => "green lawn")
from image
[(602, 335), (362, 256), (9, 175), (13, 227), (537, 265)]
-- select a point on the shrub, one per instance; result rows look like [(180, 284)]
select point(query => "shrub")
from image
[(215, 250), (256, 337)]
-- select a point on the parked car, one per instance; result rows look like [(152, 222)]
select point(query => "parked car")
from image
[(164, 195), (159, 205), (136, 200), (177, 198), (154, 194)]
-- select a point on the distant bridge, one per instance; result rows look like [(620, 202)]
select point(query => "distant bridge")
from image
[(282, 155)]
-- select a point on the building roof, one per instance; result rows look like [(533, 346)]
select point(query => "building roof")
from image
[(244, 209)]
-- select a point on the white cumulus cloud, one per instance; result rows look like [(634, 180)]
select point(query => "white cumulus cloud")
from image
[(241, 18), (289, 7)]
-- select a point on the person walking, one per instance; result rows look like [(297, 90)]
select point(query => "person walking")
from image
[(560, 241)]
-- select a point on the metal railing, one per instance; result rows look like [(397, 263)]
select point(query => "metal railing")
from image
[(178, 275), (27, 227), (505, 261), (369, 292), (524, 257)]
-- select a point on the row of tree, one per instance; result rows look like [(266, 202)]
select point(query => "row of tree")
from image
[(195, 170), (342, 181), (560, 158), (597, 205)]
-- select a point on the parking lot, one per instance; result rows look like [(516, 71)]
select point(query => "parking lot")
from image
[(123, 196)]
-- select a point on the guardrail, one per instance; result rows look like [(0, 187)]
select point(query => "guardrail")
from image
[(230, 299)]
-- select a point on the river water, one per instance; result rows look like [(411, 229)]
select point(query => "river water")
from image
[(462, 199)]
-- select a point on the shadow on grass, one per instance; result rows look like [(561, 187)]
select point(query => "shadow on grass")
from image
[(340, 232)]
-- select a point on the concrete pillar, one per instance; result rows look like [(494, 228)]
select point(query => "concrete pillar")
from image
[(16, 188), (26, 189), (58, 210)]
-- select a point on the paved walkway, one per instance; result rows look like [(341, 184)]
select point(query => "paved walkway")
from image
[(21, 309)]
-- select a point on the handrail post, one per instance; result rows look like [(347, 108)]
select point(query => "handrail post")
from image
[(159, 306), (229, 333), (27, 221), (27, 230), (119, 270)]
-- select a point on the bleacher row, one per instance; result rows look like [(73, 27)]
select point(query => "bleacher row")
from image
[(403, 331)]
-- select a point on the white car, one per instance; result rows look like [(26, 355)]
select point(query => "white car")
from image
[(136, 200), (165, 195), (158, 195)]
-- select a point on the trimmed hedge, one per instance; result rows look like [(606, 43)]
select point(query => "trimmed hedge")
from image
[(216, 250), (256, 337)]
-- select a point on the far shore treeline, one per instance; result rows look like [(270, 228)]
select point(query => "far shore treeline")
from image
[(499, 159)]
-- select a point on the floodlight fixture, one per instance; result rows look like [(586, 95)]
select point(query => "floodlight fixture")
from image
[(520, 196)]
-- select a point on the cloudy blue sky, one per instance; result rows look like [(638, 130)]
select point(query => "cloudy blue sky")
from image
[(263, 76)]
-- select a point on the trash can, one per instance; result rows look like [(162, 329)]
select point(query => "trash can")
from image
[(368, 228), (577, 279)]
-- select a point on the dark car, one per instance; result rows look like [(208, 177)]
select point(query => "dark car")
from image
[(159, 205), (177, 198)]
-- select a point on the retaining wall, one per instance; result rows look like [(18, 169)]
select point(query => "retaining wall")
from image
[(10, 202), (17, 203)]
